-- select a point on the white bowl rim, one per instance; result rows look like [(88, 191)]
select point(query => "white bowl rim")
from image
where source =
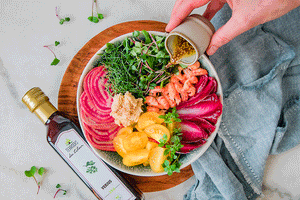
[(202, 149)]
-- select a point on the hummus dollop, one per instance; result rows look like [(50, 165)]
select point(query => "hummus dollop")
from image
[(126, 109)]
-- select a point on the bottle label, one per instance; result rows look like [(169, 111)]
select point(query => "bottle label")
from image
[(90, 167)]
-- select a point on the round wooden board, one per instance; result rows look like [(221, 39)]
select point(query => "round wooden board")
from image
[(68, 90)]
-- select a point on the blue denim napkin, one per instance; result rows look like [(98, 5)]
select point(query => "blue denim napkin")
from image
[(260, 76)]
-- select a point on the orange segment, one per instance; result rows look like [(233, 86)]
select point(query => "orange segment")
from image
[(149, 118), (119, 140), (151, 145), (127, 141), (125, 130), (135, 141), (156, 131), (118, 143), (157, 158), (136, 158)]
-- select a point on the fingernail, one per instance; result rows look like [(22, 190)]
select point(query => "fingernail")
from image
[(167, 28), (211, 50)]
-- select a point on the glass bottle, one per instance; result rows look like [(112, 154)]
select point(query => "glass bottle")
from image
[(68, 141)]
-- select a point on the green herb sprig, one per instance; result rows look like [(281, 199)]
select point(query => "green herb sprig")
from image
[(31, 173), (99, 15), (61, 20), (59, 189), (137, 64), (171, 117), (56, 60), (171, 164)]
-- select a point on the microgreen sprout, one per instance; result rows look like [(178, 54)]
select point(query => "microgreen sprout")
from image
[(99, 15), (59, 189), (56, 60), (31, 173), (137, 64), (61, 20)]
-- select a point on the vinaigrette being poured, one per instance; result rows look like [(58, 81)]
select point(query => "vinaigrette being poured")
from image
[(181, 48)]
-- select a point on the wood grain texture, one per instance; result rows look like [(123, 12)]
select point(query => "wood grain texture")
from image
[(68, 91)]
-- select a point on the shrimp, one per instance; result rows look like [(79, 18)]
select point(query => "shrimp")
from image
[(171, 102), (151, 101), (179, 89), (189, 88), (180, 76), (152, 109), (163, 102), (192, 79), (194, 66), (156, 90), (200, 71), (172, 93), (158, 102)]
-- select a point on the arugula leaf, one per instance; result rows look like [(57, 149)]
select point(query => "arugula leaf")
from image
[(147, 37), (135, 33)]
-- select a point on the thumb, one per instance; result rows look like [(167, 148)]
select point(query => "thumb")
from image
[(234, 27)]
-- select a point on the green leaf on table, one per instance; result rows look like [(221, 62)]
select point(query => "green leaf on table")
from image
[(55, 61), (100, 16), (61, 21), (93, 19), (31, 172), (41, 171), (57, 43)]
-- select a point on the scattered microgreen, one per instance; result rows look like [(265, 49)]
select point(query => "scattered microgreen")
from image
[(55, 60), (92, 18), (59, 189), (172, 146), (31, 173), (137, 64), (171, 117), (61, 20)]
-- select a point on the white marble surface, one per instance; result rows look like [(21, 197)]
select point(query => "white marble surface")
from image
[(25, 27)]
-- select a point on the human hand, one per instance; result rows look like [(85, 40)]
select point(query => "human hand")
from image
[(246, 14)]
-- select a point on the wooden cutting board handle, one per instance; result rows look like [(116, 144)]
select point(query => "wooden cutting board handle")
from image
[(68, 91)]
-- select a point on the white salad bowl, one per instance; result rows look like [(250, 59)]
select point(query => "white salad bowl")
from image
[(113, 158)]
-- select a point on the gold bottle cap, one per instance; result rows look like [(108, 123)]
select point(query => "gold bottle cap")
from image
[(39, 103)]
